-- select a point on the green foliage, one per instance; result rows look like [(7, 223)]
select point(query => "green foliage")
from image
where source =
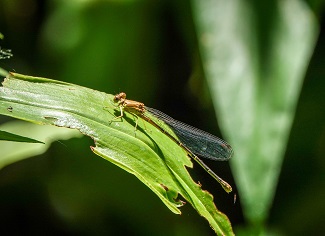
[(23, 148), (149, 50), (255, 67), (147, 153), (16, 138)]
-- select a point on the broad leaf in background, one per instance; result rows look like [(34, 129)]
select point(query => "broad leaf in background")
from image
[(255, 57), (12, 151), (7, 136), (148, 154)]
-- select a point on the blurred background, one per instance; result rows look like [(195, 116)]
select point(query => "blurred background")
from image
[(148, 49)]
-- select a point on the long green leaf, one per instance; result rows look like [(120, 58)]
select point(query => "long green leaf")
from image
[(7, 136), (146, 153), (12, 152), (255, 56)]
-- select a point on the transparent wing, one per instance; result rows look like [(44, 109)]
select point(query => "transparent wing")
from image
[(198, 141)]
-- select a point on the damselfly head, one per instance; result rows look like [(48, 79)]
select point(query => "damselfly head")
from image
[(119, 97)]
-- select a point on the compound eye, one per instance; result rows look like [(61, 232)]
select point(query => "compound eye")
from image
[(119, 97)]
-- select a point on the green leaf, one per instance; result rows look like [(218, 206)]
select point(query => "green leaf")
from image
[(6, 136), (3, 72), (146, 153), (15, 151), (255, 57)]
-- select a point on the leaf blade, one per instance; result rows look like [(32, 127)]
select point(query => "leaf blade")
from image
[(148, 154)]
